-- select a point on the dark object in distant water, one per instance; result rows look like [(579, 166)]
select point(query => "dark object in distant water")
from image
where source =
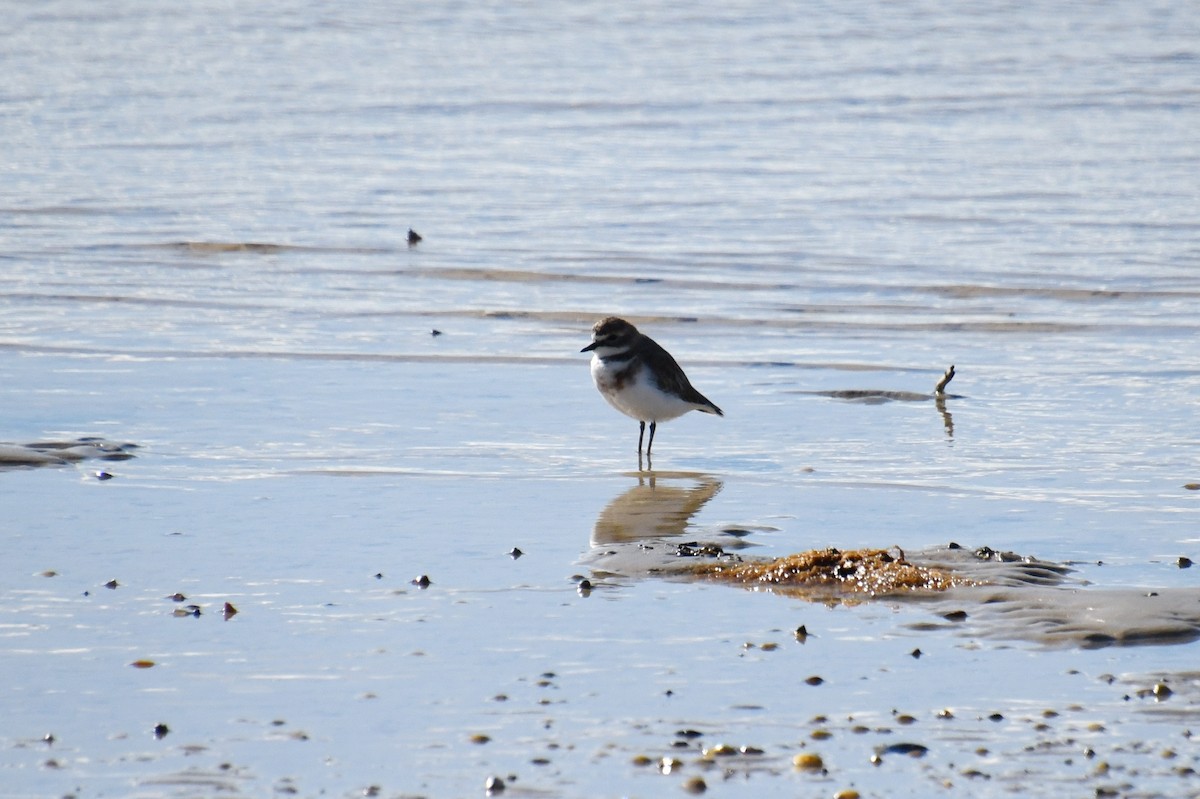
[(940, 388), (413, 237), (1184, 562), (878, 397), (872, 396), (435, 332), (61, 453)]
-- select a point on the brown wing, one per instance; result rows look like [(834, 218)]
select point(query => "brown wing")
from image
[(671, 377)]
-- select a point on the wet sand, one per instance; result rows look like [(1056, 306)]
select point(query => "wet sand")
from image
[(342, 661)]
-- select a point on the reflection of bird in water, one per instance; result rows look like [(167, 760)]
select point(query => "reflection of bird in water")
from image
[(649, 510)]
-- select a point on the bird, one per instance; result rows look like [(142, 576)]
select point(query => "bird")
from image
[(640, 379)]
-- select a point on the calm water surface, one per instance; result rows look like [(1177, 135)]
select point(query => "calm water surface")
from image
[(203, 219)]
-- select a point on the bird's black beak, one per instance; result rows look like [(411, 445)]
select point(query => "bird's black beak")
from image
[(589, 347)]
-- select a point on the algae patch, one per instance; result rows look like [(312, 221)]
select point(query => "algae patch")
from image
[(865, 572)]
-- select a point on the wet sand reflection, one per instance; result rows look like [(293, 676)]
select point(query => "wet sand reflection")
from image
[(651, 510), (646, 531)]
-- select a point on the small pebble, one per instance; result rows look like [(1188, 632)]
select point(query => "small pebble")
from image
[(423, 582), (515, 553), (104, 476), (1184, 563), (493, 785), (161, 730), (801, 633), (668, 765), (719, 750), (694, 785), (809, 761), (815, 680), (413, 238), (111, 584), (910, 749)]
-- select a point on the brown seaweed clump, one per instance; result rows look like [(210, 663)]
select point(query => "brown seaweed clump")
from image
[(861, 572)]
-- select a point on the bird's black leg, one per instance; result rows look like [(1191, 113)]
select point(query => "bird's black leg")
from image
[(650, 446), (642, 432)]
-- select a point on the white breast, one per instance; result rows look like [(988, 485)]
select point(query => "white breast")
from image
[(639, 398)]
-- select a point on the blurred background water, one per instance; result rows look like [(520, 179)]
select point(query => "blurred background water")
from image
[(204, 212)]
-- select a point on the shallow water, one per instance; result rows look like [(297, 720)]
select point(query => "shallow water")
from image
[(203, 229)]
